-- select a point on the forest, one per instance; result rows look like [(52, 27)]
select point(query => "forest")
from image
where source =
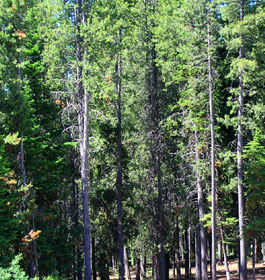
[(132, 139)]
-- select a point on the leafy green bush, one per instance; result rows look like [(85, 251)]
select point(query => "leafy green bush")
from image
[(14, 271)]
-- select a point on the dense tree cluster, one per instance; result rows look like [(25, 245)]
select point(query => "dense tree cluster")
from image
[(132, 132)]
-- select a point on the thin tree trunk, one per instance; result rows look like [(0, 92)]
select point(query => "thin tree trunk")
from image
[(126, 265), (85, 192), (189, 247), (94, 258), (254, 242), (119, 169), (240, 174), (35, 255), (186, 255), (137, 268), (263, 251), (209, 251), (227, 271), (201, 212), (220, 256), (181, 243), (113, 262), (213, 177), (177, 249), (256, 252), (142, 268), (161, 230), (167, 265), (155, 267), (174, 263), (198, 254), (33, 248), (75, 216)]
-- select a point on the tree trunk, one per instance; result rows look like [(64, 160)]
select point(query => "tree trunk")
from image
[(174, 264), (94, 270), (209, 251), (126, 265), (81, 17), (137, 269), (119, 167), (213, 178), (153, 121), (227, 271), (142, 268), (35, 255), (177, 249), (263, 251), (85, 195), (254, 242), (198, 255), (156, 267), (167, 265), (181, 243), (201, 212), (220, 256), (33, 266), (113, 262), (240, 172), (75, 214), (189, 247), (186, 255), (103, 267)]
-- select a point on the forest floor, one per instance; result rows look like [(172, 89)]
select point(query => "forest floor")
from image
[(233, 266)]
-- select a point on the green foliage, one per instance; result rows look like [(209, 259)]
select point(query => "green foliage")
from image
[(254, 153), (39, 106), (8, 201), (14, 271), (12, 139)]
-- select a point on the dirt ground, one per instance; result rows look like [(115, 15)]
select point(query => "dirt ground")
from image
[(233, 266)]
